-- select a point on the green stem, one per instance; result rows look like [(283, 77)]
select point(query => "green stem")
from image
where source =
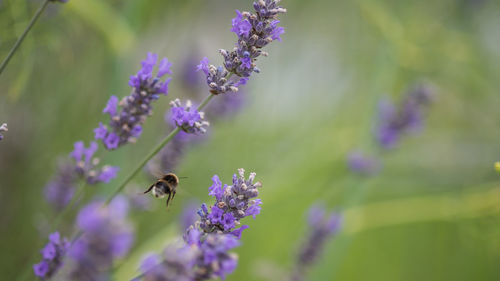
[(25, 32)]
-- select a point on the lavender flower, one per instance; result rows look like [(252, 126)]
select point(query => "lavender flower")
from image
[(189, 215), (322, 226), (362, 164), (60, 190), (233, 203), (53, 254), (254, 32), (107, 236), (3, 128), (407, 118), (208, 241), (126, 125), (86, 165), (187, 118), (60, 1)]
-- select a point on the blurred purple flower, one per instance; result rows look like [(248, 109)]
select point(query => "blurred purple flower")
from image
[(126, 124), (86, 165), (107, 236), (362, 164), (3, 128), (393, 122), (53, 254), (60, 190), (322, 225)]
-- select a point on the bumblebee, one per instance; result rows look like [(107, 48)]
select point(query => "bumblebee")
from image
[(166, 185)]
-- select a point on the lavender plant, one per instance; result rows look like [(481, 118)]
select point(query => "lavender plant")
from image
[(362, 164), (187, 118), (205, 254), (394, 122), (3, 128), (107, 236), (125, 125), (60, 190), (322, 226), (53, 254), (217, 233)]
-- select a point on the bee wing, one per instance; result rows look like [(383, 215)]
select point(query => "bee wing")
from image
[(183, 192), (154, 169)]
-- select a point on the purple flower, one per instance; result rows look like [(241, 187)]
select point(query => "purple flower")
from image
[(216, 188), (233, 203), (237, 233), (3, 128), (41, 269), (254, 32), (215, 258), (188, 216), (86, 165), (59, 191), (107, 236), (111, 106), (206, 253), (100, 132), (254, 209), (203, 66), (241, 26), (176, 265), (53, 254), (188, 118), (127, 115), (394, 122), (322, 225), (362, 164)]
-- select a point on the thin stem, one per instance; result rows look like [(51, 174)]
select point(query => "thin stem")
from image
[(23, 35)]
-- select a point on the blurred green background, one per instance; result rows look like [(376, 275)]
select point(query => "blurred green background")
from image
[(432, 213)]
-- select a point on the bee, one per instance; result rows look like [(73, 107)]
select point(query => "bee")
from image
[(166, 185)]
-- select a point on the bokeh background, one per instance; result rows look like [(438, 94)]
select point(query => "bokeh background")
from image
[(432, 212)]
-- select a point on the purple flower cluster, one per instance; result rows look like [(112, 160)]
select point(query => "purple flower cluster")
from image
[(362, 164), (60, 190), (393, 122), (107, 236), (322, 226), (3, 128), (126, 124), (232, 203), (86, 165), (176, 264), (254, 32), (60, 1), (187, 118), (53, 254), (208, 241)]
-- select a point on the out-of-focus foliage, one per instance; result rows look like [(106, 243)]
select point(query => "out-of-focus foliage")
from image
[(432, 213)]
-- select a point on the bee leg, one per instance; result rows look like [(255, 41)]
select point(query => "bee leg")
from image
[(173, 195), (168, 199), (149, 189)]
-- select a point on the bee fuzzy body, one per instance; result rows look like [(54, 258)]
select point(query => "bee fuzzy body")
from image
[(165, 186)]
